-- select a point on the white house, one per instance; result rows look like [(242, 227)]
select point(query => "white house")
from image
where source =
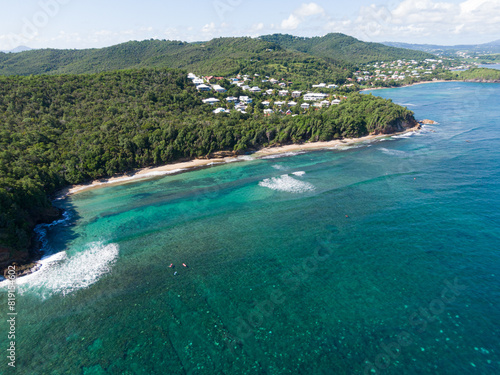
[(198, 81), (320, 85), (268, 111), (245, 99), (305, 106), (266, 103), (232, 99), (203, 87), (274, 81), (270, 92), (336, 101), (296, 94), (191, 76), (325, 103), (211, 101), (219, 88), (313, 96), (332, 86), (292, 104), (220, 110), (283, 92), (255, 89), (279, 104)]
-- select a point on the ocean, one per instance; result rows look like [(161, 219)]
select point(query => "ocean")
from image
[(377, 258)]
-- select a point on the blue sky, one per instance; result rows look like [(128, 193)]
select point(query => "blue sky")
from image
[(92, 23)]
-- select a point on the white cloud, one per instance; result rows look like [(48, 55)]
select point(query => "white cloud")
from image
[(300, 15), (307, 10), (424, 21), (291, 23), (209, 28)]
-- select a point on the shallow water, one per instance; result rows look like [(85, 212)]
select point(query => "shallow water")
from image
[(374, 259)]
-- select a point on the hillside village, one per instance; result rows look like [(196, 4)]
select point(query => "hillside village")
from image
[(273, 97)]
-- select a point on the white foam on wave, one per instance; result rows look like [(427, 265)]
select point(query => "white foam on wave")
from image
[(392, 152), (300, 173), (403, 136), (285, 154), (63, 274), (239, 158), (287, 184), (124, 179), (278, 167)]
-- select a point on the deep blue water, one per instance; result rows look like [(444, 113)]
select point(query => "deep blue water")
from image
[(379, 258)]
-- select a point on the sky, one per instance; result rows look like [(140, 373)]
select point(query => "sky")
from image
[(99, 23)]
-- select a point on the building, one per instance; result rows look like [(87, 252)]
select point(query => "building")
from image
[(203, 87), (313, 96), (220, 110), (255, 89), (292, 104), (211, 101), (219, 88), (232, 99), (305, 106), (268, 111), (266, 103), (245, 99), (283, 92), (296, 94)]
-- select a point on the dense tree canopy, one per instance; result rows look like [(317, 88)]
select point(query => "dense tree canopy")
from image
[(67, 129)]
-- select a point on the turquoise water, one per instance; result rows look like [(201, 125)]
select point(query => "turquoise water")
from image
[(378, 258)]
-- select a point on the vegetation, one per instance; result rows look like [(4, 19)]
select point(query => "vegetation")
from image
[(67, 129), (481, 74), (340, 47), (220, 57)]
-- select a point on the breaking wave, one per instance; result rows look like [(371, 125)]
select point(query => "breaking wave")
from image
[(63, 274), (287, 184), (285, 154)]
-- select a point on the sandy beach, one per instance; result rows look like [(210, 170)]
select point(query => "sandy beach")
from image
[(152, 172)]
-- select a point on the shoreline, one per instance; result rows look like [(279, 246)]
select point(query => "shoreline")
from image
[(180, 167), (412, 84)]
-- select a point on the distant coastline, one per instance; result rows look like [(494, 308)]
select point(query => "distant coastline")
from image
[(411, 84)]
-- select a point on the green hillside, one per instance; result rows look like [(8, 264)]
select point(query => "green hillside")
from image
[(341, 47), (223, 56)]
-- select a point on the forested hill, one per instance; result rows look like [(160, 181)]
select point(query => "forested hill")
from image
[(345, 48), (329, 58), (220, 57), (60, 130)]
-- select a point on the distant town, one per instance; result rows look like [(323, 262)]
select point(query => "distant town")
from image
[(252, 93)]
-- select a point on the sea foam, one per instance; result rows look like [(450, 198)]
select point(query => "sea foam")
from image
[(287, 184), (63, 274), (283, 155)]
